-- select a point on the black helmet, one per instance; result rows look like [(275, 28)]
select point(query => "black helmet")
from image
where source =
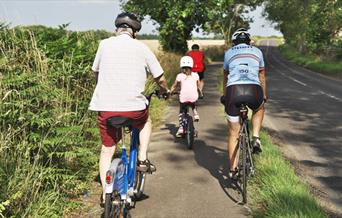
[(127, 19), (241, 36), (195, 46)]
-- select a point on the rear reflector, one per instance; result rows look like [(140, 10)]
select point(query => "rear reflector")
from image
[(108, 177)]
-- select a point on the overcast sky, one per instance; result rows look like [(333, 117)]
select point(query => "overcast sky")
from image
[(89, 14)]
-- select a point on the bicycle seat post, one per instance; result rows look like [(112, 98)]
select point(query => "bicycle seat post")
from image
[(243, 113), (123, 146)]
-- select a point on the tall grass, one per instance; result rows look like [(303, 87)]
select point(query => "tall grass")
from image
[(49, 140), (277, 191), (313, 62), (47, 134)]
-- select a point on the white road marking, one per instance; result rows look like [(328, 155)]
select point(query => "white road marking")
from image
[(297, 81), (330, 95)]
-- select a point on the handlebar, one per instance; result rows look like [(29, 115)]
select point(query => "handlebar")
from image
[(158, 94), (175, 93)]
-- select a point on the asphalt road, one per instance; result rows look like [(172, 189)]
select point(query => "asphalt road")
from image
[(192, 183), (304, 113)]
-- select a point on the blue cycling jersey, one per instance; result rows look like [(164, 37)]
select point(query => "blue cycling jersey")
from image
[(243, 63)]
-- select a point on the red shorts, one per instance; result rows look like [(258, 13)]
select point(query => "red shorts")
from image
[(108, 133)]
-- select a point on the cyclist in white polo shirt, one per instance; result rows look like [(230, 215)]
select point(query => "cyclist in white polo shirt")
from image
[(120, 66)]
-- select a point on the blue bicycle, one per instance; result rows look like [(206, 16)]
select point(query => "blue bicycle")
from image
[(124, 183)]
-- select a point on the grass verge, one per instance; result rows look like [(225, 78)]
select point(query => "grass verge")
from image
[(315, 63), (277, 191)]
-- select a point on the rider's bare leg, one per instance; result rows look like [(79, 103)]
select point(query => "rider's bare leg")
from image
[(144, 137), (233, 135), (201, 85), (105, 161), (257, 118)]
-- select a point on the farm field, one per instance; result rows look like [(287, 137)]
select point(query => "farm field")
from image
[(154, 43)]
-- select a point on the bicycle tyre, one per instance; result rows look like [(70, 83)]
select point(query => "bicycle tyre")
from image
[(244, 169), (140, 178), (190, 132), (108, 206)]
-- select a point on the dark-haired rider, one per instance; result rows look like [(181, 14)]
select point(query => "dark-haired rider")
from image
[(120, 69), (199, 66), (244, 81)]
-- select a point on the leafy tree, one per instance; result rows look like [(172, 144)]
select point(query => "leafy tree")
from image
[(325, 25), (308, 25), (225, 16), (176, 19)]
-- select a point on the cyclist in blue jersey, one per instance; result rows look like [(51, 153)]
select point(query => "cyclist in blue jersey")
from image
[(244, 82)]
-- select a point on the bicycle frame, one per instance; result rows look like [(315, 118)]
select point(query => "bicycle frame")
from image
[(245, 164), (124, 177), (244, 131)]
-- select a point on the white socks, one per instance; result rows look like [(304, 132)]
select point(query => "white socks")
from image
[(105, 161)]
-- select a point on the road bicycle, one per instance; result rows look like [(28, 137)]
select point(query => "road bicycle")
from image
[(124, 183), (245, 161)]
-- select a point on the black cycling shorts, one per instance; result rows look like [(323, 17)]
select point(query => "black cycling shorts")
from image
[(201, 75), (183, 106), (249, 94)]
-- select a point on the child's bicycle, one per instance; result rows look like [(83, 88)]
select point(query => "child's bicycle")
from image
[(189, 129), (188, 125), (124, 183), (245, 162)]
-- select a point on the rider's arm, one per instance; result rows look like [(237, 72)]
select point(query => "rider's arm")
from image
[(174, 86), (97, 60), (162, 83), (262, 79), (197, 83), (225, 79)]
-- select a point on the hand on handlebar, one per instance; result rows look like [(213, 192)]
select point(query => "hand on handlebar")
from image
[(165, 95)]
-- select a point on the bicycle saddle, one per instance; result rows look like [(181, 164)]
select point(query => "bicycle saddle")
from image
[(118, 122)]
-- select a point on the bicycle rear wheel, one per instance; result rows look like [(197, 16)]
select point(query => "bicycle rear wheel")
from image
[(244, 169), (114, 208), (140, 178), (190, 132), (108, 206)]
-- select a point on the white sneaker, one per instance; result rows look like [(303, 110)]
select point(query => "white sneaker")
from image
[(196, 117), (180, 132)]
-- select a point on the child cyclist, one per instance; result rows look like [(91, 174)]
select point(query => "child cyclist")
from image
[(189, 83)]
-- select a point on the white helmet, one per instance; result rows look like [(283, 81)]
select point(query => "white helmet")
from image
[(241, 36), (186, 61)]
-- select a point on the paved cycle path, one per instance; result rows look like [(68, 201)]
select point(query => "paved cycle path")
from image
[(305, 113), (191, 183)]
